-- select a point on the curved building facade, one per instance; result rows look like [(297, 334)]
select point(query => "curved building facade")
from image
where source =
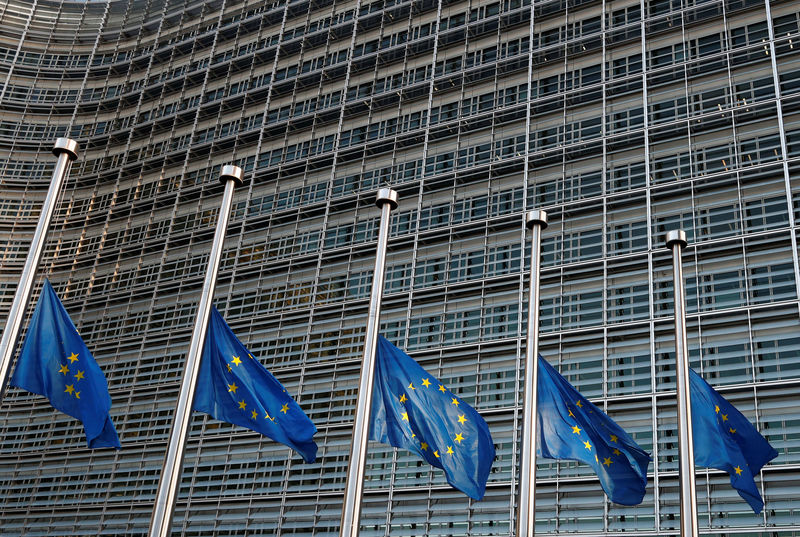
[(621, 118)]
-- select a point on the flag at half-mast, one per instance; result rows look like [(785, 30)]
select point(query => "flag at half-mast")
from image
[(725, 439), (233, 386), (571, 427), (56, 363), (411, 409)]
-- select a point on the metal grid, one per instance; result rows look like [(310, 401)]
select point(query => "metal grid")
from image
[(474, 111)]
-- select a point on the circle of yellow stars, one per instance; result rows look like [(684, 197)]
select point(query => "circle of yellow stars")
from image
[(462, 419), (236, 361), (613, 439), (723, 418), (72, 389)]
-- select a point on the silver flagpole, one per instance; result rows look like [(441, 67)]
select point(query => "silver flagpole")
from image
[(354, 487), (536, 221), (168, 485), (676, 241), (66, 150)]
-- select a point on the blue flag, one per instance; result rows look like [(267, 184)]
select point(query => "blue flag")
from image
[(573, 428), (55, 362), (411, 409), (234, 387), (724, 439)]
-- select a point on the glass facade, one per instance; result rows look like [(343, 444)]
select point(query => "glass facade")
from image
[(621, 118)]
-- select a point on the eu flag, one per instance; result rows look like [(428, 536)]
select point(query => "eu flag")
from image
[(411, 409), (573, 428), (234, 387), (724, 439), (56, 363)]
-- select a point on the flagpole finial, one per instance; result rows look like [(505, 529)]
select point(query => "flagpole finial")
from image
[(534, 218), (66, 145), (387, 195), (676, 236), (231, 172)]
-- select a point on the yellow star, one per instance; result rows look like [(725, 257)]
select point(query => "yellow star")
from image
[(236, 361), (449, 450), (403, 398), (724, 417), (587, 445), (64, 369), (424, 446), (79, 375), (405, 416), (455, 401), (229, 368), (266, 415), (578, 404), (436, 453), (738, 471), (596, 459), (732, 430), (441, 388), (459, 437), (461, 419), (607, 461), (426, 382), (411, 386), (242, 404), (576, 429), (70, 388), (251, 356), (254, 414), (232, 388), (72, 357), (570, 413), (413, 435), (285, 408), (617, 452), (77, 395), (614, 438), (716, 409)]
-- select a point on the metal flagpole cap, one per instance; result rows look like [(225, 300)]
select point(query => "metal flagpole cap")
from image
[(676, 236), (66, 145), (536, 218), (387, 195), (231, 172)]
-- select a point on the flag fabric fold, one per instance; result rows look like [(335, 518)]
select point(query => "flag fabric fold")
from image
[(55, 362), (724, 439), (412, 410), (233, 386), (571, 427)]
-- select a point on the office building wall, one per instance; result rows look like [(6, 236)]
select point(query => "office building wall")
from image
[(622, 119)]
